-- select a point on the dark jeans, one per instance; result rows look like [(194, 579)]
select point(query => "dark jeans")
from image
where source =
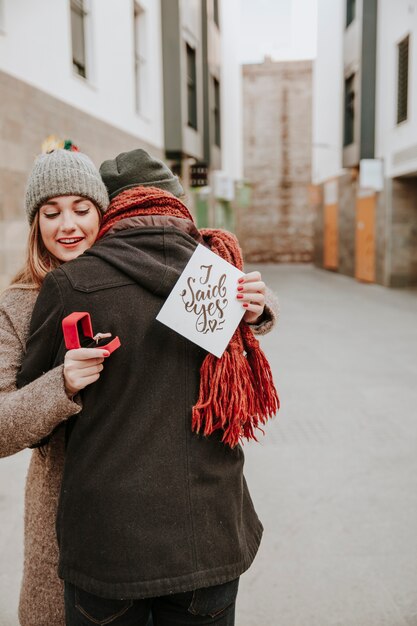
[(211, 605)]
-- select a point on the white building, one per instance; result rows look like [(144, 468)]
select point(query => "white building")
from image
[(102, 73), (74, 69), (396, 139), (365, 139), (94, 55)]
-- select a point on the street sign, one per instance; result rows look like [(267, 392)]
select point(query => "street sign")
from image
[(371, 175)]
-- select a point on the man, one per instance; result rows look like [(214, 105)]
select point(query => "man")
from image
[(152, 516)]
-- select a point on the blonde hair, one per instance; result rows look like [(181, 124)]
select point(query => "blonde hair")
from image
[(38, 260)]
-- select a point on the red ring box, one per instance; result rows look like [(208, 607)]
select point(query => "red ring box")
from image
[(71, 329)]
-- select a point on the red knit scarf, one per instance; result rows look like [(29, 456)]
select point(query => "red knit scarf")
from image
[(237, 392)]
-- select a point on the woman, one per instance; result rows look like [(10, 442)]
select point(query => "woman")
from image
[(154, 513), (65, 200), (58, 233)]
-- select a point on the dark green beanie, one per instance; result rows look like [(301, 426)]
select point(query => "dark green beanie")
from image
[(138, 168)]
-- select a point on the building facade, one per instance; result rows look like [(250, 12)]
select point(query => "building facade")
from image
[(111, 76), (365, 140), (65, 70), (202, 103), (277, 223)]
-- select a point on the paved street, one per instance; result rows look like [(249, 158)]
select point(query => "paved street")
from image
[(335, 477)]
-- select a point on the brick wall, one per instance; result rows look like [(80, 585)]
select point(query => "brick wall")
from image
[(348, 189), (316, 203), (277, 102), (381, 223), (403, 254), (27, 117)]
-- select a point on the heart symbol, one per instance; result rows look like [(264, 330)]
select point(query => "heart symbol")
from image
[(212, 324)]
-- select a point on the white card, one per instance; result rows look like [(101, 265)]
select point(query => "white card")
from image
[(202, 305)]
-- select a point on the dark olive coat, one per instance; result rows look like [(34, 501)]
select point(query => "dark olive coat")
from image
[(147, 507)]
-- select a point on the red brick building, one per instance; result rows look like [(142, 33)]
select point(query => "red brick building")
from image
[(277, 225)]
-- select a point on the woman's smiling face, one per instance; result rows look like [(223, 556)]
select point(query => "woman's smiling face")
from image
[(68, 225)]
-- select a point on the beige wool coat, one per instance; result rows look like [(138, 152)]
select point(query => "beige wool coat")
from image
[(26, 416)]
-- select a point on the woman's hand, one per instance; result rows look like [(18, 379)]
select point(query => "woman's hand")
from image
[(82, 367), (251, 293)]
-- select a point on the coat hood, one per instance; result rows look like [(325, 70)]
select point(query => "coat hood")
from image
[(150, 252)]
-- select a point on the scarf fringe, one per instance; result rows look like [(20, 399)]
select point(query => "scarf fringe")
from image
[(237, 395), (267, 396), (227, 398), (268, 400)]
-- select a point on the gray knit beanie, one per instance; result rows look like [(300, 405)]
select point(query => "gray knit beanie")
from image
[(137, 168), (64, 173)]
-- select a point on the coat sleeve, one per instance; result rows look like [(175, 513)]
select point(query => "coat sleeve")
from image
[(270, 315), (27, 415)]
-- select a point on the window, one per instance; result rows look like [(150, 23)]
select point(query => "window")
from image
[(402, 82), (191, 87), (78, 29), (140, 59), (216, 112), (350, 11), (216, 12), (349, 118)]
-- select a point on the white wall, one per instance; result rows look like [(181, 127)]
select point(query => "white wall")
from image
[(231, 90), (328, 89), (395, 21), (35, 46)]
